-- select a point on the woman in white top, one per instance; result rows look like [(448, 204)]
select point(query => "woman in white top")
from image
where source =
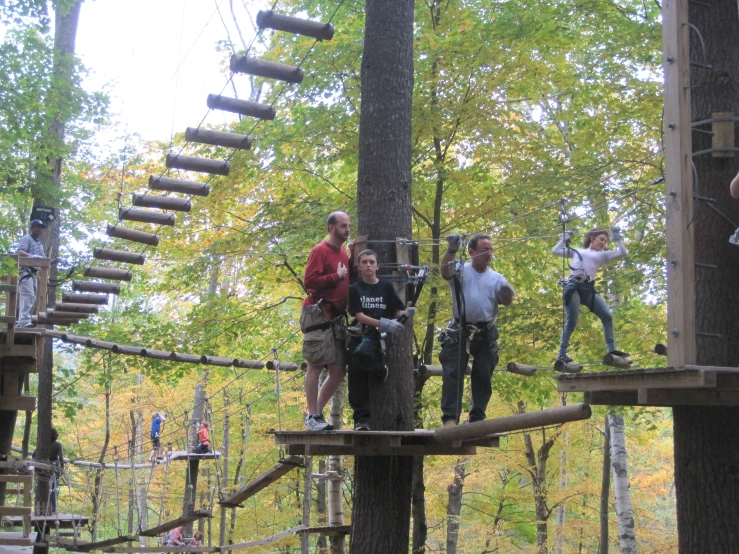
[(580, 288)]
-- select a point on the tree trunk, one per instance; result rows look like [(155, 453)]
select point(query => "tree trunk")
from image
[(706, 447), (382, 502), (321, 506), (559, 545), (624, 511), (336, 466), (605, 490), (142, 505), (418, 487), (307, 499), (97, 489), (193, 464), (454, 505)]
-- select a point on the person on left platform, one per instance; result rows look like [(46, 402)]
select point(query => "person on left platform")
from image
[(29, 247), (326, 282), (56, 457)]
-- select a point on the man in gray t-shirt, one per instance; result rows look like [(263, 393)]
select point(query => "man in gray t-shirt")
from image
[(480, 291), (29, 246)]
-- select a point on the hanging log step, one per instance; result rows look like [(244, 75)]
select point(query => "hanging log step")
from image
[(52, 313), (263, 68), (119, 232), (521, 369), (79, 308), (169, 184), (161, 202), (243, 107), (118, 256), (267, 19), (217, 138), (53, 321), (98, 299), (203, 165), (145, 216), (567, 367), (613, 360), (108, 273), (94, 286)]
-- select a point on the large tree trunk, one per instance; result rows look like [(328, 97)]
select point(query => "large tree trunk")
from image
[(605, 490), (97, 489), (621, 487), (706, 439), (382, 502), (336, 467), (193, 464), (454, 505), (65, 35)]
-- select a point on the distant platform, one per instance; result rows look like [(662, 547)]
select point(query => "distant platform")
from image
[(14, 543), (60, 521), (183, 455), (689, 385), (377, 443)]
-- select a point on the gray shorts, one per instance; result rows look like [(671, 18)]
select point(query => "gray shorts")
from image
[(322, 346)]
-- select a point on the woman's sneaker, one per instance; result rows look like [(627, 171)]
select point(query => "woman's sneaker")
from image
[(361, 426), (316, 422)]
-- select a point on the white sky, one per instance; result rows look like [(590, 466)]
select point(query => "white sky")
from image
[(134, 47)]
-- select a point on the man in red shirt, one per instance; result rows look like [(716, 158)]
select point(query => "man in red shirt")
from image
[(326, 281)]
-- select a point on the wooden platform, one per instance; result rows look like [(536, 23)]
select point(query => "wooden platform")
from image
[(689, 385), (420, 442), (15, 543), (263, 481), (60, 521)]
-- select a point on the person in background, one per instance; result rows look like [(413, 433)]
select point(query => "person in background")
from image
[(204, 442), (176, 538), (326, 282), (29, 247), (157, 426), (56, 457), (197, 540)]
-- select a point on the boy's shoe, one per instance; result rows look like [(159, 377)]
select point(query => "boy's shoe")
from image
[(450, 423), (566, 359), (316, 422), (619, 353), (361, 426)]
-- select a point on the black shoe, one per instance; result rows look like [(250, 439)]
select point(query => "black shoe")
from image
[(566, 359), (361, 426), (619, 353)]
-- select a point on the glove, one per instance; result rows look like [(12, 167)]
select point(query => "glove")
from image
[(410, 311), (616, 234), (453, 243), (390, 326), (567, 235)]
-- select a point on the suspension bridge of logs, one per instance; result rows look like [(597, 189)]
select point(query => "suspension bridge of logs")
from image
[(22, 349)]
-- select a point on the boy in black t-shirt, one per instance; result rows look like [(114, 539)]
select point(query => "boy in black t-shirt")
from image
[(373, 302)]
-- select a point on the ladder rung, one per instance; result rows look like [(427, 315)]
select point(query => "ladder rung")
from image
[(179, 185), (161, 202), (263, 68), (243, 107), (316, 29), (95, 286), (80, 308), (118, 256), (145, 216), (217, 138), (203, 165), (98, 299), (116, 231)]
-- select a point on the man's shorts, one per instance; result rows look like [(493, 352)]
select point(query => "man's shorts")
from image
[(322, 346), (155, 442)]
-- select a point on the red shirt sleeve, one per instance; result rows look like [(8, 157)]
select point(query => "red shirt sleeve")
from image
[(315, 279)]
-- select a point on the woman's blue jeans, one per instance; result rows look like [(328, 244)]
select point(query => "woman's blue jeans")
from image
[(600, 309)]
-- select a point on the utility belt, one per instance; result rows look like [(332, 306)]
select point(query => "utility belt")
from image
[(330, 321), (584, 286), (583, 279), (482, 328), (27, 273)]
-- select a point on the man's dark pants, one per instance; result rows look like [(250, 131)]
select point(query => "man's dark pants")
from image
[(484, 349)]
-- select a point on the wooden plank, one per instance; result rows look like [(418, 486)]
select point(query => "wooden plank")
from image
[(16, 479), (33, 262), (262, 482), (20, 350), (680, 397), (723, 134), (99, 545), (328, 531), (16, 542), (168, 526), (678, 148), (17, 365), (17, 403), (18, 511), (405, 450), (262, 542), (689, 379)]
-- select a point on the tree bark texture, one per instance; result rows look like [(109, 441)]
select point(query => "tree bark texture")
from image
[(706, 447), (454, 505), (418, 486), (97, 489), (621, 486), (336, 466), (193, 465), (382, 502), (605, 490)]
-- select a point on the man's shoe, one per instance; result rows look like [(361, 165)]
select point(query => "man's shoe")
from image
[(566, 359), (316, 422), (619, 353), (361, 426), (450, 423)]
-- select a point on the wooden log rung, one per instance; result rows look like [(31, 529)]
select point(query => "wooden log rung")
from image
[(108, 272), (95, 286), (242, 107), (145, 216), (118, 232), (521, 369), (267, 19), (263, 68), (52, 312), (161, 202), (617, 361), (202, 165), (169, 184), (567, 367), (79, 308), (119, 255), (217, 138), (98, 299)]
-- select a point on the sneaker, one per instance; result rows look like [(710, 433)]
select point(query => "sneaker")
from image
[(361, 426), (619, 353), (317, 423), (566, 359), (450, 423)]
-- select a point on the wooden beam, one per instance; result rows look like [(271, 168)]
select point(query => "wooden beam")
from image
[(54, 313), (328, 531), (32, 262), (288, 24), (28, 479), (120, 255), (168, 526), (95, 286), (723, 134), (108, 272), (285, 366), (521, 369), (382, 450), (681, 397), (99, 545), (529, 420), (269, 70), (262, 542), (254, 364), (145, 216), (262, 482), (17, 403), (118, 232), (77, 308), (678, 148), (217, 138), (243, 107), (95, 299), (19, 541), (634, 380), (178, 185), (162, 202), (203, 165)]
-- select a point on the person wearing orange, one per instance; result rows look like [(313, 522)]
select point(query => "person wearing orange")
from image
[(204, 446)]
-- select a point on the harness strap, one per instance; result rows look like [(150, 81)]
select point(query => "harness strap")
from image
[(317, 327)]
